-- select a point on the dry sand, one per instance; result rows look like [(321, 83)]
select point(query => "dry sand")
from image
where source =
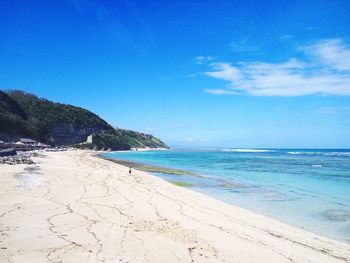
[(74, 207)]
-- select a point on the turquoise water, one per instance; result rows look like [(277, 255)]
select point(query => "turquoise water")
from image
[(305, 188)]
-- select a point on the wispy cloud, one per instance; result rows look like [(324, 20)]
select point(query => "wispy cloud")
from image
[(110, 19), (203, 59), (332, 110), (243, 46), (325, 70), (221, 91), (333, 53), (286, 37), (310, 28)]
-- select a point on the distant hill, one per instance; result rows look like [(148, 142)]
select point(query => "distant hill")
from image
[(120, 139), (25, 115)]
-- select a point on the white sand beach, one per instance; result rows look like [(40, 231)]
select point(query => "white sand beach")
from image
[(75, 207)]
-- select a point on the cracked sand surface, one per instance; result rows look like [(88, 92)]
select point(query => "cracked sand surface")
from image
[(86, 209)]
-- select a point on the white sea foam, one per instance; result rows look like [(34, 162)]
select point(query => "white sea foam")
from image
[(322, 153), (246, 150), (338, 153), (309, 153)]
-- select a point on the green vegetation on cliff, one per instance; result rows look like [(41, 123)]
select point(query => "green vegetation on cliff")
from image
[(139, 140), (25, 115), (14, 121), (120, 139), (48, 112)]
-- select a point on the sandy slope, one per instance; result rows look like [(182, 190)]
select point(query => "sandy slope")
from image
[(78, 208)]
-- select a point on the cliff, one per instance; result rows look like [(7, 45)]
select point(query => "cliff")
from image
[(25, 115), (71, 133)]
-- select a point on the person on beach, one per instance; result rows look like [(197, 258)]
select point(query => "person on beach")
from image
[(129, 170)]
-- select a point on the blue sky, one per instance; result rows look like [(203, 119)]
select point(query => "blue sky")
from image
[(194, 73)]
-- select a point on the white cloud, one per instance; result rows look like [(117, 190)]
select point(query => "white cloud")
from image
[(325, 71), (330, 52), (224, 71), (203, 59), (220, 91)]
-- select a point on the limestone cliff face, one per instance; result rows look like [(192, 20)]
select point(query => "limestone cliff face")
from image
[(68, 133)]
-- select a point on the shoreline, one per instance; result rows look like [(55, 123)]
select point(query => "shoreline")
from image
[(83, 207), (323, 217), (143, 167), (140, 150)]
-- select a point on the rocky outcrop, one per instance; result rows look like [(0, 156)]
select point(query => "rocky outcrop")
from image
[(19, 158), (7, 152), (68, 133)]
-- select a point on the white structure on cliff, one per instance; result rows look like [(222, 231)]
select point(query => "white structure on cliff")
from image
[(89, 139)]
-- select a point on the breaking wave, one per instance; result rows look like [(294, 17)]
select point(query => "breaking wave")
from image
[(247, 150), (339, 154)]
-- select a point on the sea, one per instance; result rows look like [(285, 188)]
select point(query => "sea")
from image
[(307, 188)]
